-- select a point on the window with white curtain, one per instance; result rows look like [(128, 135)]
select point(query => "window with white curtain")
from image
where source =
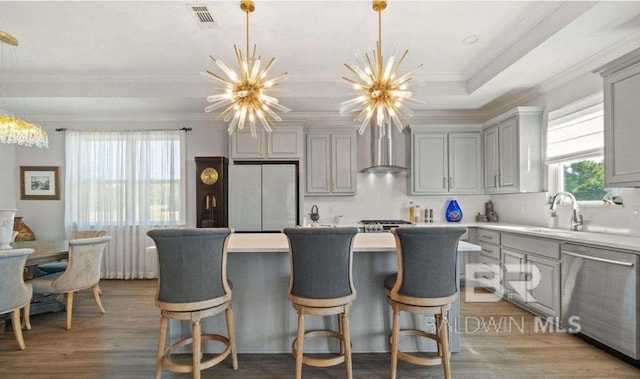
[(575, 148), (126, 182)]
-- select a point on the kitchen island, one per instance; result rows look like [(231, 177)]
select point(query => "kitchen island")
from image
[(265, 322)]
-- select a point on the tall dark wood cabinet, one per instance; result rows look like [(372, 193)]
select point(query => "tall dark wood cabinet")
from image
[(212, 192)]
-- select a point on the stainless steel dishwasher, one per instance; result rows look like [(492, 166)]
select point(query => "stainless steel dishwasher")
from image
[(600, 292)]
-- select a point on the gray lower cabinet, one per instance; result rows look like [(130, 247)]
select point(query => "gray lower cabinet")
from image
[(532, 273), (529, 269), (488, 263), (513, 264), (331, 164)]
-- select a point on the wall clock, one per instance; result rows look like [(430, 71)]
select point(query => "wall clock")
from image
[(209, 176), (212, 192)]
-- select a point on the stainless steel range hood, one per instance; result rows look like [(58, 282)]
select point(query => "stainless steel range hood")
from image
[(382, 151)]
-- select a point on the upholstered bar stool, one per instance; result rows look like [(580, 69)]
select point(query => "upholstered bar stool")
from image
[(193, 285), (321, 283), (426, 284)]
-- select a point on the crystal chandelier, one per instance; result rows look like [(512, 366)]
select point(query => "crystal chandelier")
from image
[(379, 91), (245, 96), (12, 129)]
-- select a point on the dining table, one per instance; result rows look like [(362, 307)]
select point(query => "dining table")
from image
[(43, 251)]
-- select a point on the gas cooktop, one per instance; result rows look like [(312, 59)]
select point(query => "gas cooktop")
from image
[(382, 225), (384, 222)]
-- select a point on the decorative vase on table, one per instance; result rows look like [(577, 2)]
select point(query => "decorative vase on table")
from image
[(24, 232), (6, 227), (453, 212)]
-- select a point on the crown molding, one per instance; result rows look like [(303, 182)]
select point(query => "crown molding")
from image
[(509, 102), (546, 20), (517, 30), (305, 119), (594, 63)]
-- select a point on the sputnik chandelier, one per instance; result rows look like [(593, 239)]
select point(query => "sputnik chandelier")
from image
[(244, 97), (379, 91), (14, 130)]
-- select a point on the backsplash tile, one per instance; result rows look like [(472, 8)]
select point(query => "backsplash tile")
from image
[(533, 209), (384, 196)]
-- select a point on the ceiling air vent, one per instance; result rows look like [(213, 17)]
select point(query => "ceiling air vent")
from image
[(202, 15)]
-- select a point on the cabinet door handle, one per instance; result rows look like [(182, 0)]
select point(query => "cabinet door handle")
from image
[(495, 183), (522, 268), (450, 182), (444, 182)]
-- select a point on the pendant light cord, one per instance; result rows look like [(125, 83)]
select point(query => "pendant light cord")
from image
[(247, 12), (379, 42)]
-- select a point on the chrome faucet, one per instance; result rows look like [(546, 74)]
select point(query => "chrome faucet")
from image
[(576, 221)]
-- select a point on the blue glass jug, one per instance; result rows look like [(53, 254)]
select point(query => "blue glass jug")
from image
[(453, 212)]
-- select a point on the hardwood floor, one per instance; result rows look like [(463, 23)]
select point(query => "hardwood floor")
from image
[(122, 344)]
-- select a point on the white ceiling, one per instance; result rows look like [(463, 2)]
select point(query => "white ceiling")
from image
[(116, 57)]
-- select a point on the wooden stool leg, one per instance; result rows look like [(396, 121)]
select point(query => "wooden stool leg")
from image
[(341, 332), (96, 295), (69, 308), (162, 341), (444, 337), (438, 325), (17, 327), (232, 337), (300, 343), (195, 335), (27, 316), (394, 341), (346, 342)]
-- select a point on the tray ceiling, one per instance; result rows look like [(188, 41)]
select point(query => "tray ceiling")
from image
[(87, 57)]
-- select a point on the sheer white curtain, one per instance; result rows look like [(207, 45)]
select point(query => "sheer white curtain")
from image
[(126, 182)]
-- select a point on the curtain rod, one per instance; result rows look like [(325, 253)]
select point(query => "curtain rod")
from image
[(123, 130)]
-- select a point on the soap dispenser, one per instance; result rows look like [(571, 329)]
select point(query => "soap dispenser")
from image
[(453, 212)]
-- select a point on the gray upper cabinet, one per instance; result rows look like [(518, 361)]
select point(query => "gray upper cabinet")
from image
[(331, 163), (621, 115), (513, 151), (284, 143), (445, 162)]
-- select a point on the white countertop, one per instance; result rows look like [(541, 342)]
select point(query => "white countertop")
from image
[(277, 242), (606, 240)]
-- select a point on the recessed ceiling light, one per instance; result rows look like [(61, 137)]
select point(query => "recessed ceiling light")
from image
[(470, 40)]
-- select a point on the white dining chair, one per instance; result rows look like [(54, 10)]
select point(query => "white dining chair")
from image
[(15, 294), (53, 267), (82, 272)]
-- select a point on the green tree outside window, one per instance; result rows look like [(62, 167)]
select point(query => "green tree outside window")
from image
[(585, 179)]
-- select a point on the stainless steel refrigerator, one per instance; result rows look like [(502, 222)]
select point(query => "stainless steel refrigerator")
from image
[(263, 197)]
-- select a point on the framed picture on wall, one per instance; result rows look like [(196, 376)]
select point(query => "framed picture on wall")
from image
[(39, 183)]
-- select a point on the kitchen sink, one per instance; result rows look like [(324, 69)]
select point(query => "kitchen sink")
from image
[(549, 231)]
